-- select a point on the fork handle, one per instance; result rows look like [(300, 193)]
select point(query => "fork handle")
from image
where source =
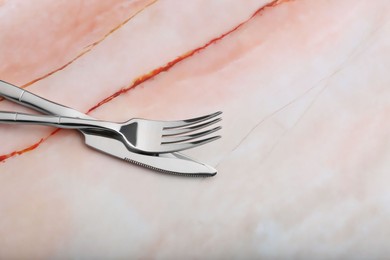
[(56, 121), (29, 99)]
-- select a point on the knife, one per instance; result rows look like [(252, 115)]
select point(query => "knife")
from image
[(104, 141)]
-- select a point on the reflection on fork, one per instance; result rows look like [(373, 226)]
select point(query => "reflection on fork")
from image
[(140, 135)]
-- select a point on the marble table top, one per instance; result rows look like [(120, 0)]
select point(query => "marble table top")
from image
[(303, 164)]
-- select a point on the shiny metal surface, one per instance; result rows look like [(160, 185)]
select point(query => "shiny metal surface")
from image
[(145, 136), (105, 141), (172, 163)]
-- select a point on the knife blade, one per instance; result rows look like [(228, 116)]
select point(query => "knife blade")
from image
[(171, 163)]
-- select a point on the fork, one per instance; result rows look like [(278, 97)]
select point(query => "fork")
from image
[(140, 135)]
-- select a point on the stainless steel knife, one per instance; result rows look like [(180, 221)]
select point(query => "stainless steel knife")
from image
[(173, 163)]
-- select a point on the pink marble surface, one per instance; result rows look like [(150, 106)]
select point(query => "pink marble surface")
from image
[(304, 162)]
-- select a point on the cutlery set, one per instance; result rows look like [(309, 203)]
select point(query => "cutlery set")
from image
[(148, 143)]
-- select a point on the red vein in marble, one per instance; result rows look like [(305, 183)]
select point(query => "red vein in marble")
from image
[(172, 63), (28, 149), (153, 73)]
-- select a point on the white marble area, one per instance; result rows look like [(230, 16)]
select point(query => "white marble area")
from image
[(304, 162)]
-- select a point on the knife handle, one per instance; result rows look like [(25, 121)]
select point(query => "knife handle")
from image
[(33, 101)]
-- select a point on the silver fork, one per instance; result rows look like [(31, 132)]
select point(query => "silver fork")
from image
[(140, 135)]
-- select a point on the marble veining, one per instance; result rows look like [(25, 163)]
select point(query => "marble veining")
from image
[(305, 155)]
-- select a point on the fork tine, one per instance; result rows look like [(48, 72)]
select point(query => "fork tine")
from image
[(184, 146), (185, 138), (189, 122), (185, 130)]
